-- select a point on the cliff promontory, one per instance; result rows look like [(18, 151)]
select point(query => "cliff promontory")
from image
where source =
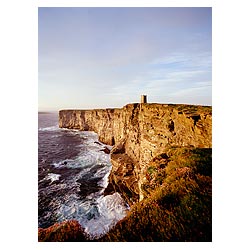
[(138, 134)]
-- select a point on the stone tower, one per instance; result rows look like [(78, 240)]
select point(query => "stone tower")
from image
[(143, 99)]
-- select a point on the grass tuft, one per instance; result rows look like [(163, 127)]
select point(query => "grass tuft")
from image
[(178, 203)]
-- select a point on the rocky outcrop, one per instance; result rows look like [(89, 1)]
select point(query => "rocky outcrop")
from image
[(177, 205), (63, 231), (140, 132)]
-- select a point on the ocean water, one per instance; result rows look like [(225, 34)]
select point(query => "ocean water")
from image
[(73, 172)]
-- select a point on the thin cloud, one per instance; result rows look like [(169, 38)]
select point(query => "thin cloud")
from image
[(109, 56)]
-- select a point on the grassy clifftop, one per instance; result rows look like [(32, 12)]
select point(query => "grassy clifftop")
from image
[(178, 203)]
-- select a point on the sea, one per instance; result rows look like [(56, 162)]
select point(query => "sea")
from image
[(73, 171)]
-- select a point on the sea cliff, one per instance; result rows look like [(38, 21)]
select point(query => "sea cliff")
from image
[(138, 134)]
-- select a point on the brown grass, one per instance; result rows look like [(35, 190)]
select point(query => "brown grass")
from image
[(178, 206), (64, 231)]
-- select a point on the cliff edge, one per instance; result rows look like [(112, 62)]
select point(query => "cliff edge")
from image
[(138, 134)]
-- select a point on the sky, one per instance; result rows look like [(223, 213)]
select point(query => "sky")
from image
[(105, 57)]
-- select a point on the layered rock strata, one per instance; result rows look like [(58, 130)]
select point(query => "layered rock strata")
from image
[(140, 132)]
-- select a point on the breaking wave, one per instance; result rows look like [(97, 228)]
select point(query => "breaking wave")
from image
[(71, 186)]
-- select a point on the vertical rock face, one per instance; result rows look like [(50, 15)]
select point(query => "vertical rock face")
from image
[(140, 132)]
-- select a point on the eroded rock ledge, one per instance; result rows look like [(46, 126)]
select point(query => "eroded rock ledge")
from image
[(140, 132)]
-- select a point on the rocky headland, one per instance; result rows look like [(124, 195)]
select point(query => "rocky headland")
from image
[(140, 132), (161, 164)]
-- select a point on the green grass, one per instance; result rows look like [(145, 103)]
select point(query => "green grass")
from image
[(178, 203)]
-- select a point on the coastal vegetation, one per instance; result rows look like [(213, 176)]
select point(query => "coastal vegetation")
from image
[(60, 232), (177, 204)]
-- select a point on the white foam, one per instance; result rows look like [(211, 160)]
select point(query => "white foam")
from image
[(105, 173), (53, 177), (85, 160), (51, 128), (91, 154), (97, 216), (111, 208), (96, 213)]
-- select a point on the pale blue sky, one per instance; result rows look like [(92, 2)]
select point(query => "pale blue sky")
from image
[(108, 57)]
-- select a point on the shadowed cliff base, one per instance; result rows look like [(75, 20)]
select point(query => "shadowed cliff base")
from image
[(161, 165), (178, 200), (140, 132), (177, 204)]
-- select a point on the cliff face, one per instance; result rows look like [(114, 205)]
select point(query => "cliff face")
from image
[(178, 200), (140, 132)]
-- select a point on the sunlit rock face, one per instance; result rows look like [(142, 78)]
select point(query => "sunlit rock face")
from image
[(140, 132)]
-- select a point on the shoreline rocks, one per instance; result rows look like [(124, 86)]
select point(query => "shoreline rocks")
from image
[(140, 132)]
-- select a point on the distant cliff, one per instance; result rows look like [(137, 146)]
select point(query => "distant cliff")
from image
[(139, 133)]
